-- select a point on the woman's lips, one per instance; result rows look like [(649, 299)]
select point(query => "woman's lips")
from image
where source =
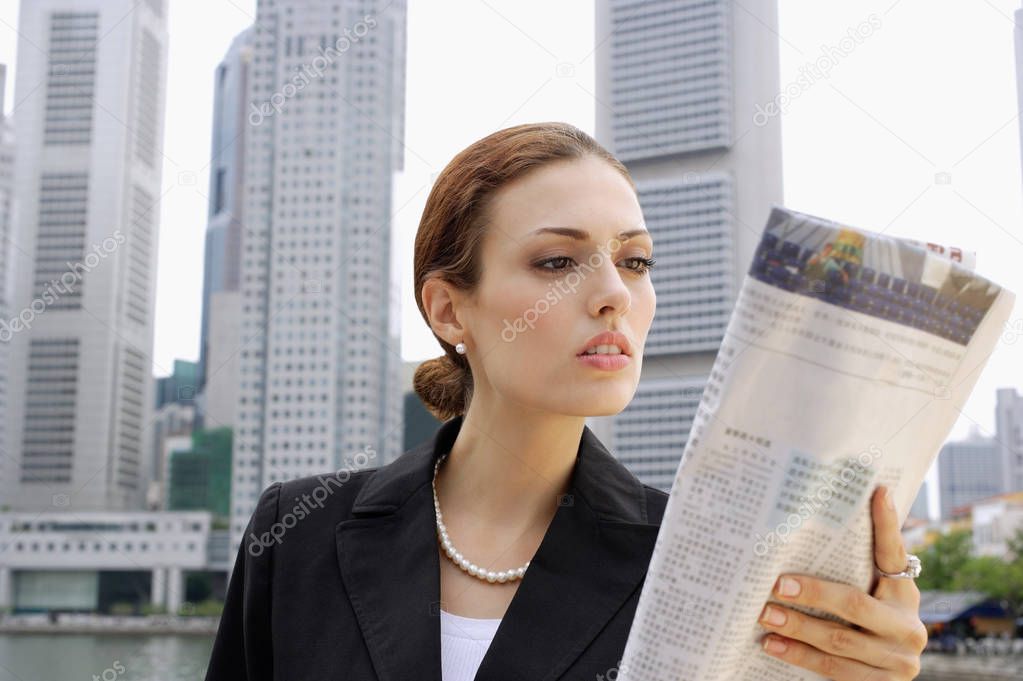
[(605, 362)]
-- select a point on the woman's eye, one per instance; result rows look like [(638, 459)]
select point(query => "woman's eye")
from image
[(559, 258), (642, 266)]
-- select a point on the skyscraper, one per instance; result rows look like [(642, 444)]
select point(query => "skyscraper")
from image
[(90, 89), (320, 362), (968, 470), (6, 248), (678, 87), (1018, 39), (221, 298), (920, 508), (1009, 434)]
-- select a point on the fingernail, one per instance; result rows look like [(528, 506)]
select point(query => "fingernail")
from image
[(888, 499), (788, 587), (773, 616), (774, 645)]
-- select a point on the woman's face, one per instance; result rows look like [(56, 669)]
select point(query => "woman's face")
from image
[(543, 295)]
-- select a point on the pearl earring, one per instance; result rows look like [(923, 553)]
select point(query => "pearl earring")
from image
[(460, 348)]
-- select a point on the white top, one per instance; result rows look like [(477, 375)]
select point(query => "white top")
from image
[(463, 643)]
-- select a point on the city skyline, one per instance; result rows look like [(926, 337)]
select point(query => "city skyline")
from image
[(936, 176), (833, 175)]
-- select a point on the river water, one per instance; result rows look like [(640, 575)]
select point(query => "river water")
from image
[(62, 657)]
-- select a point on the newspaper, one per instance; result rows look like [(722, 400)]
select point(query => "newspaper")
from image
[(844, 365)]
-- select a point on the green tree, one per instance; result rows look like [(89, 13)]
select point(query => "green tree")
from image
[(1014, 554), (1013, 576), (949, 566), (943, 560), (983, 573)]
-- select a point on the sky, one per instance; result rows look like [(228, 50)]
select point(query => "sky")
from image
[(931, 90)]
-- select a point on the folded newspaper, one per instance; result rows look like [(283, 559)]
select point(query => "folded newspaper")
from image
[(844, 366)]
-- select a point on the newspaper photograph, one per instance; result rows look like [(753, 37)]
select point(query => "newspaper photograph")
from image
[(845, 364)]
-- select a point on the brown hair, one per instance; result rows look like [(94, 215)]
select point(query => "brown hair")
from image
[(454, 222)]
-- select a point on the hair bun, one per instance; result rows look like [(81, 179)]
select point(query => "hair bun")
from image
[(444, 386)]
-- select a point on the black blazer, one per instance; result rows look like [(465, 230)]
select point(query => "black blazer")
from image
[(352, 589)]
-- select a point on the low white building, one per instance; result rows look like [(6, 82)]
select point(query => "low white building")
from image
[(995, 521), (915, 532), (55, 560)]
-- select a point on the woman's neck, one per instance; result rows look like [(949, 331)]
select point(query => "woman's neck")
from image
[(507, 474)]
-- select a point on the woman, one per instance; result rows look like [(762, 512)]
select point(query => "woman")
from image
[(514, 519)]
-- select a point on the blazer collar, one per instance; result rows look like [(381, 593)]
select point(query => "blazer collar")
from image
[(608, 487), (593, 556)]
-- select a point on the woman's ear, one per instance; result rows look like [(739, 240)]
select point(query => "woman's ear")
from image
[(441, 301)]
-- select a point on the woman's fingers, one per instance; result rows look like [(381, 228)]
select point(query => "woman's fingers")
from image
[(836, 667), (890, 553), (836, 639), (848, 602)]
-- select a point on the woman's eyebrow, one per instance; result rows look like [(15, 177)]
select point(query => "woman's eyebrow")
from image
[(583, 235)]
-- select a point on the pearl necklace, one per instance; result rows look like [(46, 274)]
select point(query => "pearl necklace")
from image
[(460, 560)]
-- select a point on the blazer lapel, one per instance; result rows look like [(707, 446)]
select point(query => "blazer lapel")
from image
[(593, 557), (391, 570)]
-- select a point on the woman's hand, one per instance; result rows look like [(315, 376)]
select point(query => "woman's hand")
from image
[(888, 637)]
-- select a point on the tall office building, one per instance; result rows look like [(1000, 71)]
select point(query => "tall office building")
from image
[(173, 418), (221, 298), (920, 508), (1009, 433), (6, 253), (678, 85), (90, 89), (968, 471), (1018, 39), (320, 360)]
